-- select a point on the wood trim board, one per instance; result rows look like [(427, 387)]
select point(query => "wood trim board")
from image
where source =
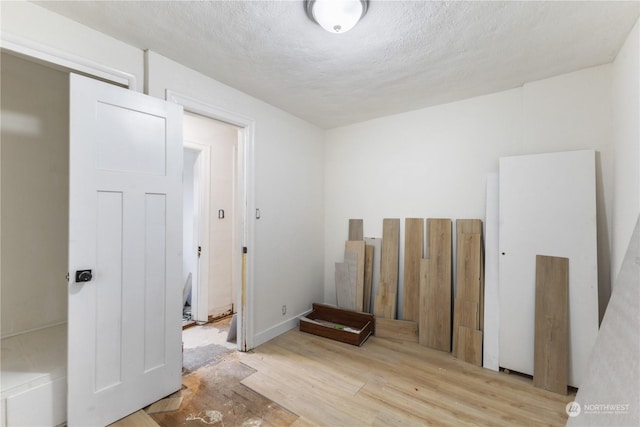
[(469, 266), (469, 345), (356, 271), (356, 229), (438, 285), (402, 330), (413, 251), (422, 315), (385, 303), (343, 291), (465, 313), (550, 360), (368, 277), (469, 226), (375, 267), (469, 302), (386, 300)]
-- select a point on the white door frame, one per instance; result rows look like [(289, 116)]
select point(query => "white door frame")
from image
[(202, 171), (244, 205)]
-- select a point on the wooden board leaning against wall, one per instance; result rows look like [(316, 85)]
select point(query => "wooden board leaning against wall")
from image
[(431, 313), (469, 301)]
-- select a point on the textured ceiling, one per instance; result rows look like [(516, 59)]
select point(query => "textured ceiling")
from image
[(402, 56)]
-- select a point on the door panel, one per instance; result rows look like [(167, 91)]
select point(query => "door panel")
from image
[(108, 296), (122, 150), (126, 226), (547, 207)]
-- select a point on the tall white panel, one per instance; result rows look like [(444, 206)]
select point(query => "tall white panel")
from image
[(491, 333), (547, 207)]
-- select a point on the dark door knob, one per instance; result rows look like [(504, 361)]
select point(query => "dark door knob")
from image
[(84, 276)]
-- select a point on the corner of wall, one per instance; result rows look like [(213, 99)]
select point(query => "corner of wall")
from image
[(626, 145)]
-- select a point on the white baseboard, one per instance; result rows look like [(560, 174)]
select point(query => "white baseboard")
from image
[(279, 329)]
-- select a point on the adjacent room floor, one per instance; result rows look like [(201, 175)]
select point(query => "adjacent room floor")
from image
[(211, 392), (299, 379)]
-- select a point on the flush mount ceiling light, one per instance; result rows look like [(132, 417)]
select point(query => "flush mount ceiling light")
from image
[(336, 16)]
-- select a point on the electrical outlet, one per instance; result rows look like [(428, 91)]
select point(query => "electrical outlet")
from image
[(284, 309)]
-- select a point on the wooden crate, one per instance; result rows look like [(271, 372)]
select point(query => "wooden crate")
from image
[(364, 322)]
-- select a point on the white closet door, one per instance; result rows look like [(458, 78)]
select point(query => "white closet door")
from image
[(547, 207), (126, 227)]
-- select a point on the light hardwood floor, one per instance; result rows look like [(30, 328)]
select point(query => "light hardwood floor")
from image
[(388, 383)]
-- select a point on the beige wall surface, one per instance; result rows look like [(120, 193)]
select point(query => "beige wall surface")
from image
[(35, 195)]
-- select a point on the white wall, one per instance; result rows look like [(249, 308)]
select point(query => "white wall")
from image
[(288, 182), (573, 112), (434, 162), (36, 24), (626, 145), (35, 195)]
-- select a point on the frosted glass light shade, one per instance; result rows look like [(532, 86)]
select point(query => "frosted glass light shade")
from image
[(336, 16)]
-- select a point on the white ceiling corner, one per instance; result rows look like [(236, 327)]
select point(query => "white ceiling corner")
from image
[(403, 55)]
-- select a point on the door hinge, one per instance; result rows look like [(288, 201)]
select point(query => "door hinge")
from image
[(244, 249), (199, 251)]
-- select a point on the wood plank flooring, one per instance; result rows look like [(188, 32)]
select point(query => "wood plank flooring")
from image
[(137, 419), (391, 383)]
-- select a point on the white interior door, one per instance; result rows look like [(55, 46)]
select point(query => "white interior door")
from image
[(126, 227), (547, 207)]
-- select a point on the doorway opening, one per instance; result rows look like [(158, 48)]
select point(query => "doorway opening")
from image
[(235, 182), (209, 219)]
